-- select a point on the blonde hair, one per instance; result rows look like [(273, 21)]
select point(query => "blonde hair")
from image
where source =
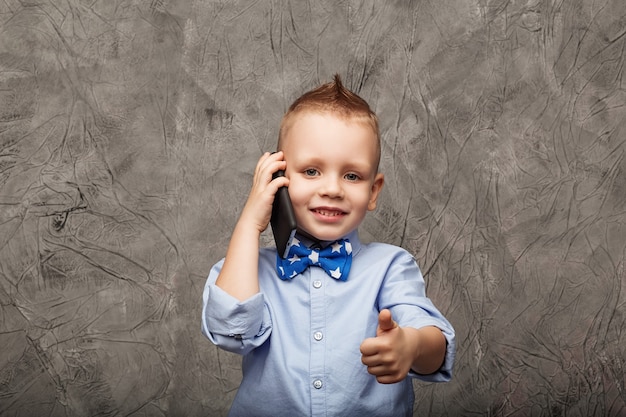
[(333, 98)]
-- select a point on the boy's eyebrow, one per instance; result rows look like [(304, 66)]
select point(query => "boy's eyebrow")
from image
[(360, 166)]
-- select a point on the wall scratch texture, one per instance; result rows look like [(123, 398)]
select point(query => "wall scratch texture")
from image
[(129, 130)]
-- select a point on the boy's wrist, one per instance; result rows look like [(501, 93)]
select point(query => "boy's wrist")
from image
[(249, 227), (429, 350)]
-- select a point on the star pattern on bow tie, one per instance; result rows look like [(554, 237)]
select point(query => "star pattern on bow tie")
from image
[(335, 259)]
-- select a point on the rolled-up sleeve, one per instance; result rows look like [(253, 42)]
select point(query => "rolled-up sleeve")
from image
[(236, 326), (404, 294)]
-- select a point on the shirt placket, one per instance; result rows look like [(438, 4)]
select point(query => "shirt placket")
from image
[(317, 365)]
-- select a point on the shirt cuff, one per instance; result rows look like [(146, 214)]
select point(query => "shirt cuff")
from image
[(225, 315), (444, 373)]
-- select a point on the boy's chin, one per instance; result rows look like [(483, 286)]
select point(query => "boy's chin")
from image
[(322, 236)]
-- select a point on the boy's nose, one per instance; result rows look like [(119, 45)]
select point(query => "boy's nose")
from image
[(331, 187)]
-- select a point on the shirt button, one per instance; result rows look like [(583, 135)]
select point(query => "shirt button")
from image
[(317, 284), (317, 384), (318, 336)]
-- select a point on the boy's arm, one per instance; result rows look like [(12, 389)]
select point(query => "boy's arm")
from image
[(239, 276), (396, 350)]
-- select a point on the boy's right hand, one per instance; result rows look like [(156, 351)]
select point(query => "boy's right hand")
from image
[(239, 276), (258, 209)]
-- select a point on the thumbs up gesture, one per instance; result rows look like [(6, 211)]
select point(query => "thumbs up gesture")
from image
[(389, 355), (395, 350)]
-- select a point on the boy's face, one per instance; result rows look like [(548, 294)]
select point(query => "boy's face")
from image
[(333, 178)]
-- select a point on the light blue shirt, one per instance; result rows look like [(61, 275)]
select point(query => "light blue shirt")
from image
[(300, 338)]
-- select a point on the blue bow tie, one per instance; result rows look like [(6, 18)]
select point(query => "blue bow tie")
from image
[(335, 259)]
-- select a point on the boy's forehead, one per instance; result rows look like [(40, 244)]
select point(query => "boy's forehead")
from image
[(292, 124), (300, 126)]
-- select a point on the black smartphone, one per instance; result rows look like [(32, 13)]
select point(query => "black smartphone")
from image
[(283, 219)]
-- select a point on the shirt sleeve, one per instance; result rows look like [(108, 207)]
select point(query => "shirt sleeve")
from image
[(404, 294), (235, 326)]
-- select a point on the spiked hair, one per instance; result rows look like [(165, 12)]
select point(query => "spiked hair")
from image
[(333, 98)]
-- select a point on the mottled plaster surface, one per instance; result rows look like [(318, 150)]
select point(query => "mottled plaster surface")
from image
[(129, 130)]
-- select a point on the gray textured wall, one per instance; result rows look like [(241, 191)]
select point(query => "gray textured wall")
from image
[(129, 130)]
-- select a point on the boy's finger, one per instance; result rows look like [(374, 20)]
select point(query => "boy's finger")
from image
[(268, 164), (385, 321), (369, 347)]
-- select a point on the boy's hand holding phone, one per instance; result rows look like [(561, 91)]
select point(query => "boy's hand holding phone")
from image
[(258, 208), (239, 274)]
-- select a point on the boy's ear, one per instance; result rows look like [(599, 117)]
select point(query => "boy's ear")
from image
[(379, 181)]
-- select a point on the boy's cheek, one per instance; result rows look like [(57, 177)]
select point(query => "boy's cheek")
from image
[(298, 207), (297, 189)]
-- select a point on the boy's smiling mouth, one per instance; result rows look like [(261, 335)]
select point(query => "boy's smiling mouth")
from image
[(328, 212)]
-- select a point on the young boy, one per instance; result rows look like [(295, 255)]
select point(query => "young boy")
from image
[(338, 340)]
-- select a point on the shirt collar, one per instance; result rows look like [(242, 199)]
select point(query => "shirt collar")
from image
[(311, 242)]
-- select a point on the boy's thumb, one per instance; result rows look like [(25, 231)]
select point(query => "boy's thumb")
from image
[(385, 321)]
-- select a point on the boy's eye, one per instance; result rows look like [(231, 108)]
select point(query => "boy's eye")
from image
[(311, 172), (351, 177)]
